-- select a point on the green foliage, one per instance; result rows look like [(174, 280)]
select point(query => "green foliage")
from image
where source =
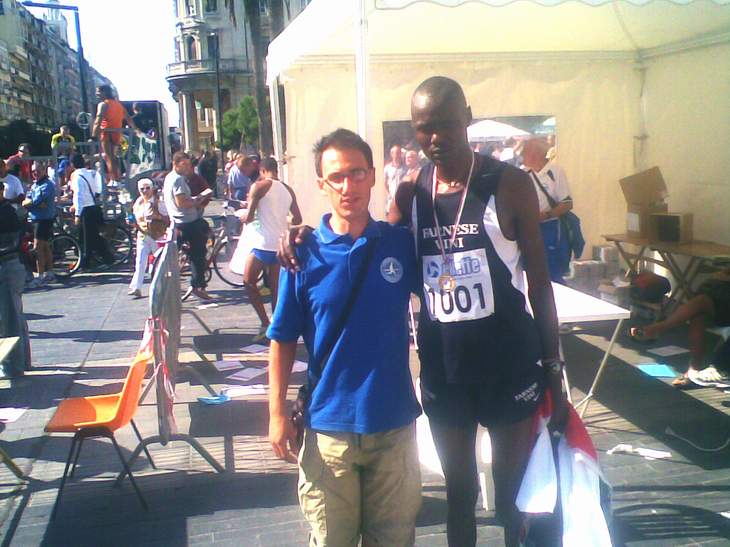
[(241, 125)]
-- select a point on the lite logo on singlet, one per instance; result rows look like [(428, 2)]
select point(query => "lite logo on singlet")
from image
[(472, 297)]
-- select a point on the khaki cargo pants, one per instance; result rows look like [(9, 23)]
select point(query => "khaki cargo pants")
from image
[(353, 486)]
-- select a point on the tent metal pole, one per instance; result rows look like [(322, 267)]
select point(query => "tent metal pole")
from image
[(276, 126), (361, 67)]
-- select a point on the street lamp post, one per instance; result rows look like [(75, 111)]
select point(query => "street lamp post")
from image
[(218, 110), (79, 47)]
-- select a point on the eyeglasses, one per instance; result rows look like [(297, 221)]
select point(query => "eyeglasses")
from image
[(354, 175), (146, 188)]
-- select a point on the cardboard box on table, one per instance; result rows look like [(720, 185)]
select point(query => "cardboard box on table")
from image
[(645, 194), (670, 227)]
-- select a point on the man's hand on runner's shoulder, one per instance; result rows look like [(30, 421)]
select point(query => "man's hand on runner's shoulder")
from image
[(288, 243), (283, 438)]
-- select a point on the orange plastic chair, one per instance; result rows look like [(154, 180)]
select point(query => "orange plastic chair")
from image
[(101, 416)]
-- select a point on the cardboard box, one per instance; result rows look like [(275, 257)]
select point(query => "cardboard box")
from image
[(644, 188), (638, 218), (645, 193), (670, 227)]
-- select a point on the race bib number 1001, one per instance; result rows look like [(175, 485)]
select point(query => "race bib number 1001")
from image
[(472, 296)]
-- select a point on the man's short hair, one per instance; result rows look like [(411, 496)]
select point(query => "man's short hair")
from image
[(180, 156), (106, 90), (341, 139), (270, 165), (78, 161)]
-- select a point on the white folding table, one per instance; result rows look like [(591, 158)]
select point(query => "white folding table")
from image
[(572, 307), (577, 307)]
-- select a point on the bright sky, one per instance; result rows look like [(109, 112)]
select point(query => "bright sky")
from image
[(130, 42)]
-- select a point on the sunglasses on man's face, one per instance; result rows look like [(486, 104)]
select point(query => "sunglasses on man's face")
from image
[(146, 188)]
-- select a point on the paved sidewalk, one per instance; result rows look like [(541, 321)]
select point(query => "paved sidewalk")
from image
[(85, 332)]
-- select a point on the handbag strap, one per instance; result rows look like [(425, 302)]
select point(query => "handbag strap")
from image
[(91, 193), (550, 199), (342, 319)]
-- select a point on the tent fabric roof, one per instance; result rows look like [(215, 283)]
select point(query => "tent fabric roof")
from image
[(326, 28)]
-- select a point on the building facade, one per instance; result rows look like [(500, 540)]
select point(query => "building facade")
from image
[(195, 78), (40, 80)]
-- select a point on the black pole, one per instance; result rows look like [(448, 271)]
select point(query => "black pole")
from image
[(219, 110), (82, 64)]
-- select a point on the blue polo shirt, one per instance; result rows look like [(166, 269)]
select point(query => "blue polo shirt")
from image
[(365, 386)]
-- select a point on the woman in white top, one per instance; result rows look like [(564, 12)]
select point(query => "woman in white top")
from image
[(152, 221)]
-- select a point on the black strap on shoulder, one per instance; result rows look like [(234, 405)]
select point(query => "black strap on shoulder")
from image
[(550, 199), (91, 192), (340, 324)]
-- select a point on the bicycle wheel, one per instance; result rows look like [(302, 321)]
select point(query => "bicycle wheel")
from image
[(221, 262), (66, 255), (121, 245)]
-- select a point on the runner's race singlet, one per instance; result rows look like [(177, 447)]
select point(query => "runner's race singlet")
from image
[(469, 333)]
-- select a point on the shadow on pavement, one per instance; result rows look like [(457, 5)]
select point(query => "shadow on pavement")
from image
[(652, 405)]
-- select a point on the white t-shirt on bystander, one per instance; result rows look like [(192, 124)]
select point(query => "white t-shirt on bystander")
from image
[(13, 188), (556, 185), (82, 192)]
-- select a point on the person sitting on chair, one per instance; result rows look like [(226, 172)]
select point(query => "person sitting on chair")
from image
[(711, 305)]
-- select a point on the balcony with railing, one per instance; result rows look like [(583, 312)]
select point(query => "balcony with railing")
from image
[(206, 66)]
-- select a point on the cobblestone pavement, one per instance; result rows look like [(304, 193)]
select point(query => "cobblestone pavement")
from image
[(84, 333)]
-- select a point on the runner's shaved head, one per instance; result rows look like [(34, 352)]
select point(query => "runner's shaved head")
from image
[(438, 91)]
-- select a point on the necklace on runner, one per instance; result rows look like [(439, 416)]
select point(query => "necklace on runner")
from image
[(447, 283)]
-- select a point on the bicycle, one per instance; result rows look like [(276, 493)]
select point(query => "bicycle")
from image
[(221, 246), (114, 231), (65, 249)]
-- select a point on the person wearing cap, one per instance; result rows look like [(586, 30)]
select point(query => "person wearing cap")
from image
[(22, 161), (151, 217)]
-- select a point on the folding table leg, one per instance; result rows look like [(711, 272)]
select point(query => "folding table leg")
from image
[(129, 472), (65, 474), (584, 402)]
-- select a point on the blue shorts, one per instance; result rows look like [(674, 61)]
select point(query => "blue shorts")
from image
[(267, 257)]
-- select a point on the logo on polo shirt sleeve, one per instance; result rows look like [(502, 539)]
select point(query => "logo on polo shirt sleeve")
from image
[(391, 269)]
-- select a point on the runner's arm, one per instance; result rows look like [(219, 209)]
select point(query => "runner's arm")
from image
[(282, 435), (296, 214), (522, 201), (258, 190), (100, 111), (400, 207)]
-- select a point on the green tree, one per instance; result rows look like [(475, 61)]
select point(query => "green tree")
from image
[(252, 11), (241, 125)]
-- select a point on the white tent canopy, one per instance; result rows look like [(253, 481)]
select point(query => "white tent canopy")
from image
[(631, 84), (487, 130)]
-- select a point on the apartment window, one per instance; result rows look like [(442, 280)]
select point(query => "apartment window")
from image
[(2, 7), (190, 49), (211, 5), (189, 7), (213, 46)]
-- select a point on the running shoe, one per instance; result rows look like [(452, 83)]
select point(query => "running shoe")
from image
[(49, 277), (134, 292), (36, 283), (709, 377), (187, 294)]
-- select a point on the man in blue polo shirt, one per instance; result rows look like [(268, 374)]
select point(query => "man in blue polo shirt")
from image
[(359, 475)]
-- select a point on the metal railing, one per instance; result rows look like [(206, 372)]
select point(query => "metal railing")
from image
[(207, 66)]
